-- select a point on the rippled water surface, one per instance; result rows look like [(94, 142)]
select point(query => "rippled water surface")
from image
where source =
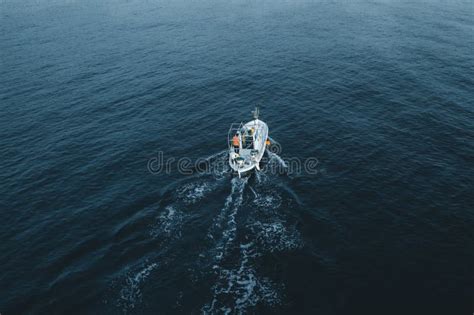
[(379, 92)]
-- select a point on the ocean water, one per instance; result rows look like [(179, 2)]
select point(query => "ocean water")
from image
[(380, 93)]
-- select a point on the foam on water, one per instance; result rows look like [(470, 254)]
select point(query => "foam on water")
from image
[(193, 192), (276, 236), (216, 155), (217, 165), (271, 200), (276, 157), (168, 226), (270, 228), (240, 288), (130, 294), (168, 223)]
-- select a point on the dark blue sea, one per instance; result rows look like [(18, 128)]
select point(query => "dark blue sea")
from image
[(101, 101)]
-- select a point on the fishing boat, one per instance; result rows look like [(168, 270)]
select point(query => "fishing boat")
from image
[(247, 144)]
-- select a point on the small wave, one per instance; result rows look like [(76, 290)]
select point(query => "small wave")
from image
[(193, 192), (216, 155), (217, 165), (276, 157), (168, 223), (131, 294)]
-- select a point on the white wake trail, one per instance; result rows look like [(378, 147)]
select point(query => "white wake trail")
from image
[(227, 217), (277, 158)]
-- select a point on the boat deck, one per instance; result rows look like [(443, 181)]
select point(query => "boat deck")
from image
[(252, 136)]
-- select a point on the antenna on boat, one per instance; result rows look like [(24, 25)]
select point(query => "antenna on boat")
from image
[(255, 113)]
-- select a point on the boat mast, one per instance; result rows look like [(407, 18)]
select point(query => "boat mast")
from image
[(255, 114)]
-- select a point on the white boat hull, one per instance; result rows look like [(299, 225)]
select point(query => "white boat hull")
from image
[(245, 159)]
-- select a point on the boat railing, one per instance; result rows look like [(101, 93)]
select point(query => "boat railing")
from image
[(246, 139), (234, 129)]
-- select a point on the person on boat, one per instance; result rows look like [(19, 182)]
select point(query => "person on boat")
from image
[(267, 142), (236, 143), (247, 138)]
